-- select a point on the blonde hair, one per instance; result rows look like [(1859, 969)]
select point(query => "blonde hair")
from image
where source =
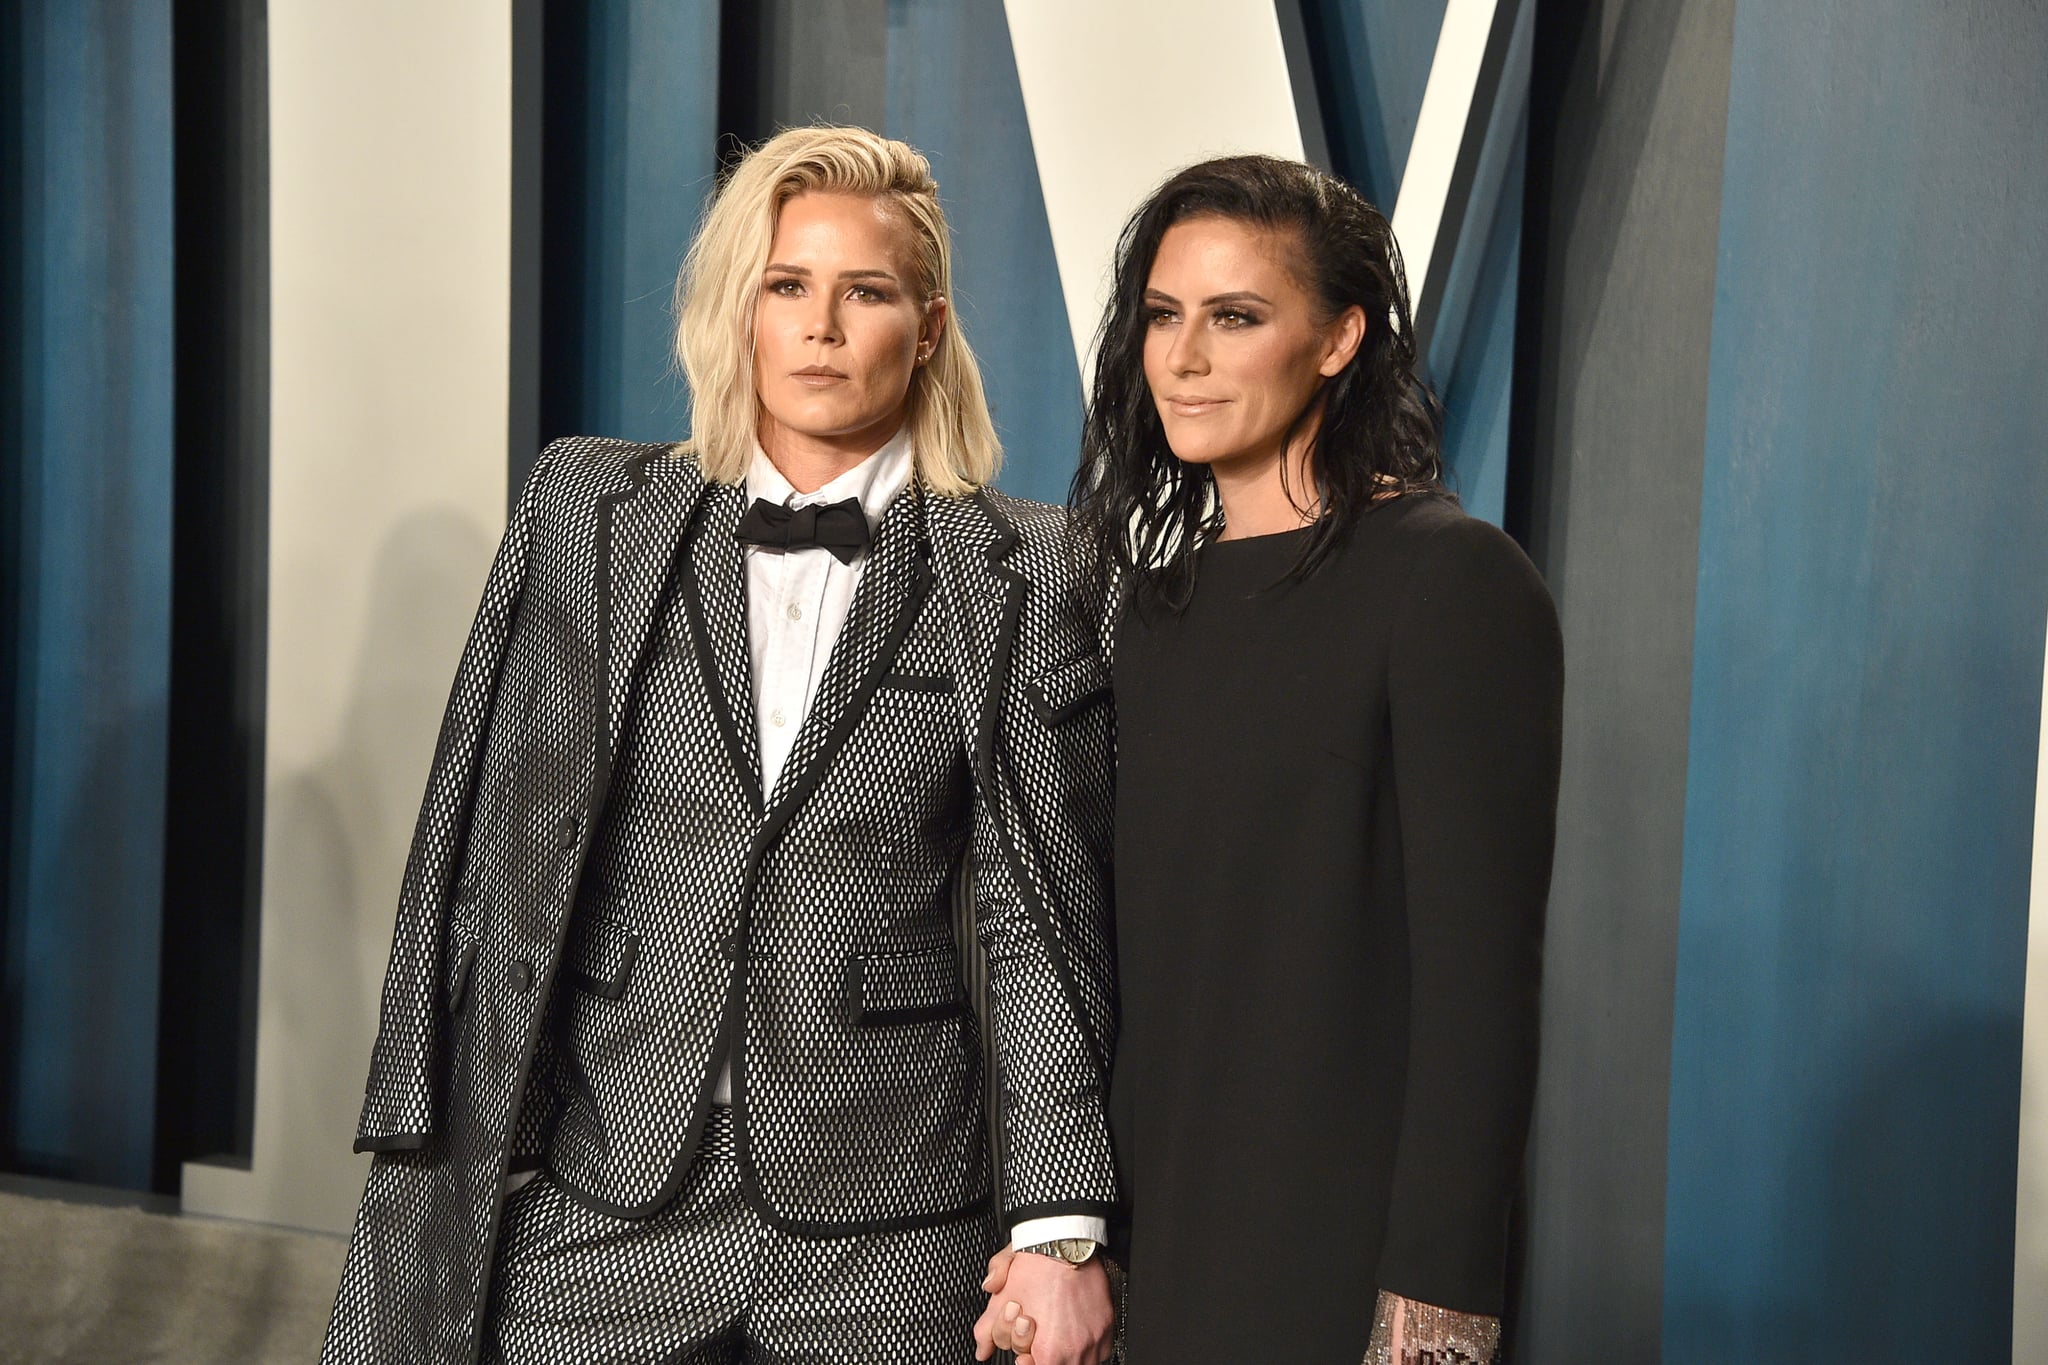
[(954, 438)]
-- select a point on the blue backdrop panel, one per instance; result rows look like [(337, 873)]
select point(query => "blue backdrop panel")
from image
[(954, 95), (1372, 67), (1376, 55), (651, 157), (1872, 581), (93, 582), (1475, 370)]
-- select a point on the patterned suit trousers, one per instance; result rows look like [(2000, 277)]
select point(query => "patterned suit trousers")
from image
[(707, 1281)]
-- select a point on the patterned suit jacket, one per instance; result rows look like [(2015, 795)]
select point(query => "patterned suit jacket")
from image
[(805, 928)]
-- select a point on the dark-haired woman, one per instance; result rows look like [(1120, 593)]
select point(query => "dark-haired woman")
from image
[(1338, 711)]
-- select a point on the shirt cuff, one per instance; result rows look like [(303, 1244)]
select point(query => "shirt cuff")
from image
[(1032, 1231)]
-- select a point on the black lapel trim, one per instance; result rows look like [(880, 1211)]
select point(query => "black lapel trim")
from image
[(737, 749), (807, 782), (396, 1142), (1014, 586), (647, 536), (601, 683)]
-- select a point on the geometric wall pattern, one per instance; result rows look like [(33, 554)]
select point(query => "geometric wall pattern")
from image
[(1821, 613)]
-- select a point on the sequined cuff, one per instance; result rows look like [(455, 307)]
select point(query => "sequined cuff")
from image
[(1430, 1335), (1119, 1297)]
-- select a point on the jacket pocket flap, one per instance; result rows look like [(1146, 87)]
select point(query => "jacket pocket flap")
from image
[(1064, 689), (601, 957), (915, 682), (906, 988)]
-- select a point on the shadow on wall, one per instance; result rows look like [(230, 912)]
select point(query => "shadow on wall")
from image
[(1628, 110), (339, 828), (1628, 45)]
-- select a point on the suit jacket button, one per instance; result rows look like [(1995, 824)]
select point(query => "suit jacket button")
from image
[(521, 976), (565, 833)]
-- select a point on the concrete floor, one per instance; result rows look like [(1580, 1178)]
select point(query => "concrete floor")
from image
[(84, 1280)]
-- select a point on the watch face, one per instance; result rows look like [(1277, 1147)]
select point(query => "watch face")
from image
[(1075, 1250), (1072, 1250)]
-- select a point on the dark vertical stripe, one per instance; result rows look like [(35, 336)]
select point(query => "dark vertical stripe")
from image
[(1300, 41), (816, 63), (529, 160), (565, 183), (214, 815), (1475, 369), (742, 115)]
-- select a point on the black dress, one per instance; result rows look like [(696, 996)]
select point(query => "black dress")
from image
[(1335, 807)]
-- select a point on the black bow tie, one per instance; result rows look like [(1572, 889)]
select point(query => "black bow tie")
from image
[(840, 527)]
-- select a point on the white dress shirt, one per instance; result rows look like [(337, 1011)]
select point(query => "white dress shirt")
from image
[(796, 604), (797, 601)]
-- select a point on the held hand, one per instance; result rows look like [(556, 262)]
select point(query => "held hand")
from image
[(998, 1269), (992, 1330), (1047, 1311)]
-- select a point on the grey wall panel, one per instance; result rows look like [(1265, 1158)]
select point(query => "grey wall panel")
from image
[(812, 63), (1625, 252)]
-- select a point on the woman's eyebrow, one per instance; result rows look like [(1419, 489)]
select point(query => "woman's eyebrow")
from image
[(1213, 301), (870, 273)]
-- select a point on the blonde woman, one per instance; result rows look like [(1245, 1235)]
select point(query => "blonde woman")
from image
[(675, 1061)]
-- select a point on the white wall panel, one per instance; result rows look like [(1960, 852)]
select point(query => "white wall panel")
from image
[(390, 168), (2030, 1259), (1440, 132), (1120, 94)]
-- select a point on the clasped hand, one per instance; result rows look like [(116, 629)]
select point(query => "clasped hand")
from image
[(1048, 1312)]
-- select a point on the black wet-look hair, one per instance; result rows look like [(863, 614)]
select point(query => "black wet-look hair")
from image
[(1142, 510)]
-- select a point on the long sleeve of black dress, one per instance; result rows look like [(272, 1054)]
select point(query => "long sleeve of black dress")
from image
[(1474, 684)]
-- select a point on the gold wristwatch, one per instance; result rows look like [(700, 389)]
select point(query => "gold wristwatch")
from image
[(1072, 1250)]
